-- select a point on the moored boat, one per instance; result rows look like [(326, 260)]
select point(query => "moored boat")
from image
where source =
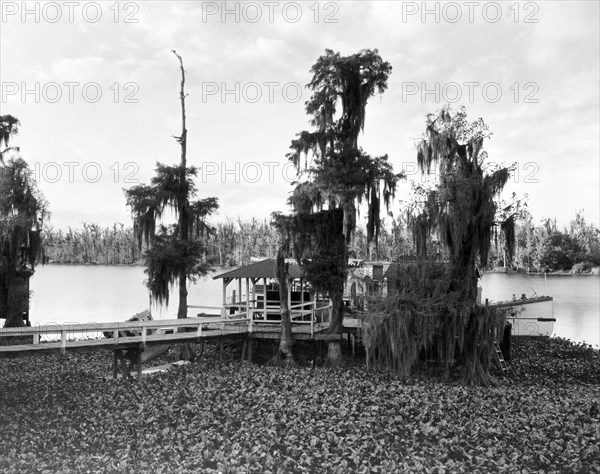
[(529, 316)]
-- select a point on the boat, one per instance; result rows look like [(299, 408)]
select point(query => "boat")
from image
[(130, 331), (529, 316)]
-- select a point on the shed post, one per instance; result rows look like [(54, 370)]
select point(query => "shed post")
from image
[(223, 311), (289, 296), (265, 296), (247, 295)]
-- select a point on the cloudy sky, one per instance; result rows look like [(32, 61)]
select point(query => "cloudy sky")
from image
[(95, 86)]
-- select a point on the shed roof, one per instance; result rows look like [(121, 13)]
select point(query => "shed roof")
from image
[(263, 269)]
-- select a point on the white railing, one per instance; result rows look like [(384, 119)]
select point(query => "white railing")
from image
[(89, 334), (144, 331), (298, 311), (311, 313)]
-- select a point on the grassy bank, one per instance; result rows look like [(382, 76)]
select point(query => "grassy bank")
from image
[(59, 414)]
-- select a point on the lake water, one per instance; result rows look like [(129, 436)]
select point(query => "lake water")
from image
[(90, 293), (576, 300), (80, 294)]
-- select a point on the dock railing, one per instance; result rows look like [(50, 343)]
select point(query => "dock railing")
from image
[(123, 334), (304, 313), (313, 313), (92, 334)]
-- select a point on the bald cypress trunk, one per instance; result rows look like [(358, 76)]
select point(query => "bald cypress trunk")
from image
[(334, 350), (15, 297), (12, 308), (284, 354)]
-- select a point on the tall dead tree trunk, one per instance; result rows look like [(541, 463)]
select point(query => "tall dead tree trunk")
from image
[(183, 351), (183, 199)]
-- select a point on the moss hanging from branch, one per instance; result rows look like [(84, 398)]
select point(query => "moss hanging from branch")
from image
[(22, 213), (462, 211), (165, 259), (422, 319), (177, 252), (337, 175)]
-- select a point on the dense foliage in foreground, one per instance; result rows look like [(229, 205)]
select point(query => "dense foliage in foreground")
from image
[(60, 414)]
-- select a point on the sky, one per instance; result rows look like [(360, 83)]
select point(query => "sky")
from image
[(95, 86)]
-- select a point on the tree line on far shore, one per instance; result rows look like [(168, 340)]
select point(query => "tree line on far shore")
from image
[(539, 247)]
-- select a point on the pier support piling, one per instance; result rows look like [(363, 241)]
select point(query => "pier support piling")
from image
[(250, 349), (139, 364)]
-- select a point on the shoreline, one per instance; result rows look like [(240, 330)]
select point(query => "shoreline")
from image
[(593, 272), (92, 264)]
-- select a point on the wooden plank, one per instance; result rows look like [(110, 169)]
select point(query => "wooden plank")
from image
[(158, 368), (328, 337)]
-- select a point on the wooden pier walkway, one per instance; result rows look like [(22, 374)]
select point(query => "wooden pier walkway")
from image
[(140, 336), (124, 335)]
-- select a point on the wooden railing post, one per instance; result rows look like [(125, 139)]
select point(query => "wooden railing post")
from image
[(313, 316), (63, 341)]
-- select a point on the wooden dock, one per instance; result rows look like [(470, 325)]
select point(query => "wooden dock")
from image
[(139, 336), (90, 336)]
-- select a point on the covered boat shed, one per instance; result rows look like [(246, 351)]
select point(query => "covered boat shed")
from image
[(256, 289)]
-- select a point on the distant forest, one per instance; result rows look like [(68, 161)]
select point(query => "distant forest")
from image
[(539, 247)]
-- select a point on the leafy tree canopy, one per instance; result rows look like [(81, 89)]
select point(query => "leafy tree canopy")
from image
[(22, 213)]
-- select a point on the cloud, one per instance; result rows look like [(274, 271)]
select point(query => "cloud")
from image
[(559, 55)]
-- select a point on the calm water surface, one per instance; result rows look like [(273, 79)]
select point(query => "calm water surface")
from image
[(80, 293), (576, 300), (86, 293)]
